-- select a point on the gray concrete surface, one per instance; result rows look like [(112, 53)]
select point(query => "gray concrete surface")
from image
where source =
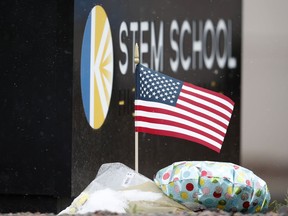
[(264, 126)]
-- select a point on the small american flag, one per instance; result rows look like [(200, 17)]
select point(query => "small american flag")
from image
[(170, 107)]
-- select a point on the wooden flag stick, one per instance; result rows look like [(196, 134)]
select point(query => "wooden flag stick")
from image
[(136, 54), (136, 61)]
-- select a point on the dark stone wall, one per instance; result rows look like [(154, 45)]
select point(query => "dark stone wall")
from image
[(35, 103)]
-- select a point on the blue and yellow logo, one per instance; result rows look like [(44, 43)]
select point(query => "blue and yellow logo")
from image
[(97, 67)]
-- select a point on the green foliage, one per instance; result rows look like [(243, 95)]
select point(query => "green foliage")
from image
[(275, 205)]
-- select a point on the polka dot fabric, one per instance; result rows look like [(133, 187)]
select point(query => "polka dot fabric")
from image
[(219, 185)]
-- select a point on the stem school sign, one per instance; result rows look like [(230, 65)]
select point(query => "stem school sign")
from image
[(195, 41), (194, 35)]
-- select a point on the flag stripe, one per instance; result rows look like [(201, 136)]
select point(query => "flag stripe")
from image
[(177, 117), (176, 128), (207, 101), (213, 122), (182, 111), (210, 94), (167, 130), (191, 106), (156, 117), (192, 101)]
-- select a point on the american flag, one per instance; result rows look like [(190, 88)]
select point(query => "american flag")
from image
[(169, 107)]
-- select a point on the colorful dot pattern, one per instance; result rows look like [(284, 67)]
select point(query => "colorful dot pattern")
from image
[(221, 185)]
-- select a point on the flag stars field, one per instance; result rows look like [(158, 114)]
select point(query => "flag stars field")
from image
[(157, 87)]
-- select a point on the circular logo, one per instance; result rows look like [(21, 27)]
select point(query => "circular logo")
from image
[(96, 67)]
